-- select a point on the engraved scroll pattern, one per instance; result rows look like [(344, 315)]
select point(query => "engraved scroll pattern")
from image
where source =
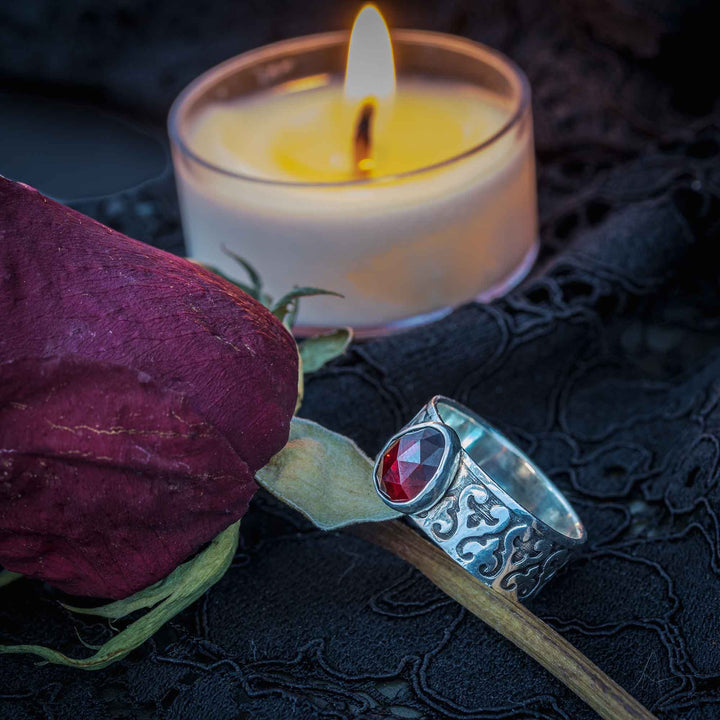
[(500, 546)]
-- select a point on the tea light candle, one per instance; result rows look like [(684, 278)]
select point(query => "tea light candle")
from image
[(408, 195)]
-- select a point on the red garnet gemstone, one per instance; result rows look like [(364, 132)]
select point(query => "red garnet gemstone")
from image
[(410, 463)]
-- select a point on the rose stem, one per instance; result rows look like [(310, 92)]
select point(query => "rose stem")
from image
[(511, 619)]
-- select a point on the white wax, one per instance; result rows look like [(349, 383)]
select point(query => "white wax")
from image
[(395, 247)]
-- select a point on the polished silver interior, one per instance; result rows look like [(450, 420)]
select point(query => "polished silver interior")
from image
[(525, 483)]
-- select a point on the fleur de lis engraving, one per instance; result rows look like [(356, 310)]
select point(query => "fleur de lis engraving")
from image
[(480, 513)]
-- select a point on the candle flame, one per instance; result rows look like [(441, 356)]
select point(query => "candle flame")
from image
[(370, 71)]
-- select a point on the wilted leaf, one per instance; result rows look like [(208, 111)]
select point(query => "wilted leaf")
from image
[(7, 577), (140, 600), (253, 274), (191, 580), (243, 286), (301, 383), (285, 309), (325, 476), (316, 351)]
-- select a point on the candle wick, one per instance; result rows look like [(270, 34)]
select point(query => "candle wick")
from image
[(363, 138)]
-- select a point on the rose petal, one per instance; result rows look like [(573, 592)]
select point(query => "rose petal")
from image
[(107, 480), (69, 285)]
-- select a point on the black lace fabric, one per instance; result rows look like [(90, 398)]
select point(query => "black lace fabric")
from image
[(604, 366)]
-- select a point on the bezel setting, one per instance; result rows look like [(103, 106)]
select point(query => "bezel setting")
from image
[(441, 479)]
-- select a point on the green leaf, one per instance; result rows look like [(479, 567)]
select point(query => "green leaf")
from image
[(253, 274), (243, 286), (6, 577), (317, 351), (189, 583), (326, 477), (288, 303)]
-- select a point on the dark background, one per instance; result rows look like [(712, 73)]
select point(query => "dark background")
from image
[(85, 86), (604, 366)]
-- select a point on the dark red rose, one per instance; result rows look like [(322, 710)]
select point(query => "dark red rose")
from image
[(139, 394)]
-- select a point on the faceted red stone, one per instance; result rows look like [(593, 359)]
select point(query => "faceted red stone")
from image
[(410, 463)]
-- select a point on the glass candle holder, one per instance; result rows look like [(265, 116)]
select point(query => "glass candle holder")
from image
[(402, 249)]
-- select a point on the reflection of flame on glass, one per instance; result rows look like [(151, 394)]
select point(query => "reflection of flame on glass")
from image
[(311, 82), (370, 69)]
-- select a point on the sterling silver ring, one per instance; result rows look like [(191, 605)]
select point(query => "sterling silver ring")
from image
[(479, 498)]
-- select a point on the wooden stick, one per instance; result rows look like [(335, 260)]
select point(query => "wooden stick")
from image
[(509, 618)]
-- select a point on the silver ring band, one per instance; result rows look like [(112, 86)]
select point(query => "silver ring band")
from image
[(478, 497)]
